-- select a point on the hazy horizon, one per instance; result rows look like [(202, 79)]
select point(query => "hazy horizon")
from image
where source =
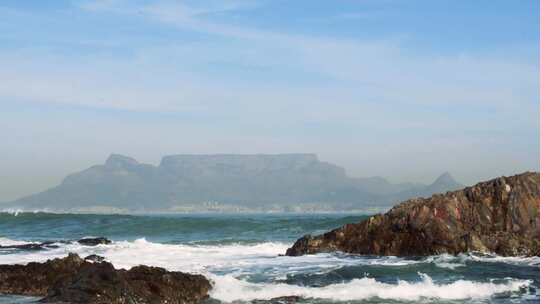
[(391, 180), (403, 90)]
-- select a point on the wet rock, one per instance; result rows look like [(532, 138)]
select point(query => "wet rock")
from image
[(94, 241), (74, 280), (31, 246), (34, 279), (286, 299), (54, 244), (279, 300), (156, 285), (94, 258), (500, 216)]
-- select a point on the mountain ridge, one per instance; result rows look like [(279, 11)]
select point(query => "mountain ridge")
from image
[(222, 182)]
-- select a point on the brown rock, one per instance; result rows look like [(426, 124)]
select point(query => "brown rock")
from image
[(74, 280), (500, 216), (34, 279)]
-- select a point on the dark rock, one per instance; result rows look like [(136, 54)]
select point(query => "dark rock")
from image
[(500, 216), (279, 300), (92, 283), (154, 285), (286, 299), (31, 246), (94, 258), (34, 279), (94, 241), (74, 280)]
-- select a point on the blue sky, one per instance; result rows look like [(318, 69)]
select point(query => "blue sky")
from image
[(400, 89)]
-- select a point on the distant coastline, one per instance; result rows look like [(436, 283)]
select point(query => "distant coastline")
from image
[(224, 183), (172, 213)]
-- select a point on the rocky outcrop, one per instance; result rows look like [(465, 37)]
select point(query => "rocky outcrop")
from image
[(74, 280), (500, 216)]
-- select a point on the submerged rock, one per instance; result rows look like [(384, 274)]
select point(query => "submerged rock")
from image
[(285, 300), (94, 241), (279, 300), (500, 216), (74, 280), (54, 244), (31, 246)]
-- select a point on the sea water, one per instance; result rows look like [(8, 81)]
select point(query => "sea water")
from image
[(242, 256)]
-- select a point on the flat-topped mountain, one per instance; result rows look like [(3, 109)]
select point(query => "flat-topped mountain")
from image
[(499, 216), (222, 182)]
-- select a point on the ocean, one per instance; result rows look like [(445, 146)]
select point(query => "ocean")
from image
[(242, 255)]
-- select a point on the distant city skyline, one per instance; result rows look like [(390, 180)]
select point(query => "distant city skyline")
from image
[(405, 90)]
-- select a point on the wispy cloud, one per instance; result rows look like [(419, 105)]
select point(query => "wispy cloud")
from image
[(382, 65), (234, 86), (337, 77)]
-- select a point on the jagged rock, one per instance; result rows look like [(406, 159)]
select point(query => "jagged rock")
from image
[(94, 241), (74, 280), (500, 216)]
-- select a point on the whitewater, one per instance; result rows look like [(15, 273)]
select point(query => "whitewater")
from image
[(243, 256)]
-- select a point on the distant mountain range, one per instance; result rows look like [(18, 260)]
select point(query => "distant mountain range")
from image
[(226, 183)]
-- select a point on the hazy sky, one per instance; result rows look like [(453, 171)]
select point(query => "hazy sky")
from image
[(401, 89)]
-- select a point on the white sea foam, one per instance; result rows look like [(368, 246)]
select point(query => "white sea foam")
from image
[(453, 262), (229, 265), (238, 258), (230, 289), (16, 212), (447, 261), (492, 258), (10, 242)]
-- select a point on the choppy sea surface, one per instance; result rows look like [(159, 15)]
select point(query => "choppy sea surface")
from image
[(241, 255)]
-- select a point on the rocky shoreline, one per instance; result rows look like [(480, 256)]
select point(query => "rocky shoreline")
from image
[(76, 280), (500, 216)]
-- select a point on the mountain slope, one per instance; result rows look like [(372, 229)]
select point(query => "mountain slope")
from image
[(226, 182), (442, 184)]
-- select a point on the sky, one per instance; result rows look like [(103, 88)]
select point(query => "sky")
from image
[(400, 89)]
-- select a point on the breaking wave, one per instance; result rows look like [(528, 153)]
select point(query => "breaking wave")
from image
[(9, 242), (461, 260), (230, 289), (231, 267)]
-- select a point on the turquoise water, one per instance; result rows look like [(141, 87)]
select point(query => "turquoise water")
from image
[(241, 255)]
